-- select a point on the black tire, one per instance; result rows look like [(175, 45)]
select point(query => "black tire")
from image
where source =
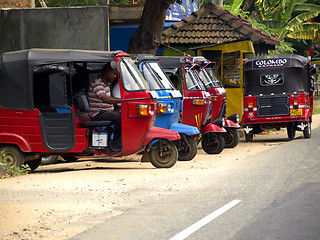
[(188, 149), (34, 164), (213, 143), (70, 158), (248, 137), (13, 156), (166, 158), (307, 131), (51, 159), (231, 138), (291, 131)]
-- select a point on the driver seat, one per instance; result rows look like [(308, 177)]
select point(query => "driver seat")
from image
[(83, 105)]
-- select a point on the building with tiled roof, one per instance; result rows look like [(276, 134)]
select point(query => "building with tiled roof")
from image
[(212, 25)]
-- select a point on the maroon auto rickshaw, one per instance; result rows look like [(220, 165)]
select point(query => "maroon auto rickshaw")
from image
[(218, 101), (43, 108), (196, 100), (278, 94)]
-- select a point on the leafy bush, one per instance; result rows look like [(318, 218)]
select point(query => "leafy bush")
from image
[(13, 170)]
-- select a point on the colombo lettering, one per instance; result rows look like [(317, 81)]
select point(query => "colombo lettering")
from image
[(271, 63)]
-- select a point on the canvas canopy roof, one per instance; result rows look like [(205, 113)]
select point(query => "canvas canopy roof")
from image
[(16, 71), (291, 70)]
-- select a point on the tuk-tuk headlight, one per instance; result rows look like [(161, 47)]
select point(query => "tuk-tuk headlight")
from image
[(220, 122), (170, 108), (162, 107), (198, 102), (234, 118)]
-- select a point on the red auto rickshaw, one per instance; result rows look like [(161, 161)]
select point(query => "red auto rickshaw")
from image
[(196, 101), (278, 94), (218, 101), (43, 108)]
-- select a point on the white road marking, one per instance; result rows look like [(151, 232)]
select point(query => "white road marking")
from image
[(196, 226)]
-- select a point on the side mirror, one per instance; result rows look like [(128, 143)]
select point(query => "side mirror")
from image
[(313, 69), (312, 84)]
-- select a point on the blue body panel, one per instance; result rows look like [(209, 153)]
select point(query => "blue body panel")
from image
[(169, 120), (183, 128)]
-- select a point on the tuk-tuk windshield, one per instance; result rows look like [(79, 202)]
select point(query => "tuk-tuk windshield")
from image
[(209, 78), (131, 77), (193, 82), (155, 76)]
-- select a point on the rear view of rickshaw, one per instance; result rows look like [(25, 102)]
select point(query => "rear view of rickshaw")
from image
[(169, 105), (196, 101), (44, 108), (218, 101), (278, 94)]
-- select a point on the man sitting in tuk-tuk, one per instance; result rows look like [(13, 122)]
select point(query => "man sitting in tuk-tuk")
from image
[(102, 103)]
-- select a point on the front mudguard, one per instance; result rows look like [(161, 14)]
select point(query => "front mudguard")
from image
[(183, 128), (231, 124), (213, 128), (156, 133)]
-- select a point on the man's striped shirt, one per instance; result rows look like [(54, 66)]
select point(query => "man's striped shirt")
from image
[(97, 89)]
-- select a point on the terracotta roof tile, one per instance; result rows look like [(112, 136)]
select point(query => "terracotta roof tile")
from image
[(214, 25)]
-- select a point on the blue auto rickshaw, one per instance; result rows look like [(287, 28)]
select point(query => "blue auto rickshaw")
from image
[(169, 105)]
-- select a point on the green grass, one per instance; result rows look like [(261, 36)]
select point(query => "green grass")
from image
[(316, 105)]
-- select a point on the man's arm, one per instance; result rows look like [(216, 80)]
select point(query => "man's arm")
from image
[(110, 100)]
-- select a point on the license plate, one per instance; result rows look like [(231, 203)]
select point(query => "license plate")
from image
[(295, 112)]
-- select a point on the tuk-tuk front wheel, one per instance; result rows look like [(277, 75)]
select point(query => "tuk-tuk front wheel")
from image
[(33, 164), (307, 131), (231, 138), (12, 156), (188, 149), (163, 154), (213, 143)]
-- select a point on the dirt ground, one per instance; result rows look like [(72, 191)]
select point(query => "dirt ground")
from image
[(61, 200)]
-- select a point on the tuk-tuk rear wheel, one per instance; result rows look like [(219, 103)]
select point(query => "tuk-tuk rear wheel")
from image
[(12, 156), (164, 154), (307, 131), (231, 138), (188, 149), (248, 137), (291, 131), (213, 143)]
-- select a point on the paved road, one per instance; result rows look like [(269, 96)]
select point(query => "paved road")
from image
[(275, 196)]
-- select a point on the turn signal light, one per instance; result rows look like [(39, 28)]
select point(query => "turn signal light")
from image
[(214, 98), (143, 110), (162, 107), (250, 106), (198, 101), (295, 103)]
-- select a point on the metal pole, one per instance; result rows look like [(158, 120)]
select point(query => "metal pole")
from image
[(108, 23)]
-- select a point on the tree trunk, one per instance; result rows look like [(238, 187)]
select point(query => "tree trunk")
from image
[(147, 36)]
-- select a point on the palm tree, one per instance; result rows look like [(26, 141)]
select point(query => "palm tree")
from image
[(289, 18)]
